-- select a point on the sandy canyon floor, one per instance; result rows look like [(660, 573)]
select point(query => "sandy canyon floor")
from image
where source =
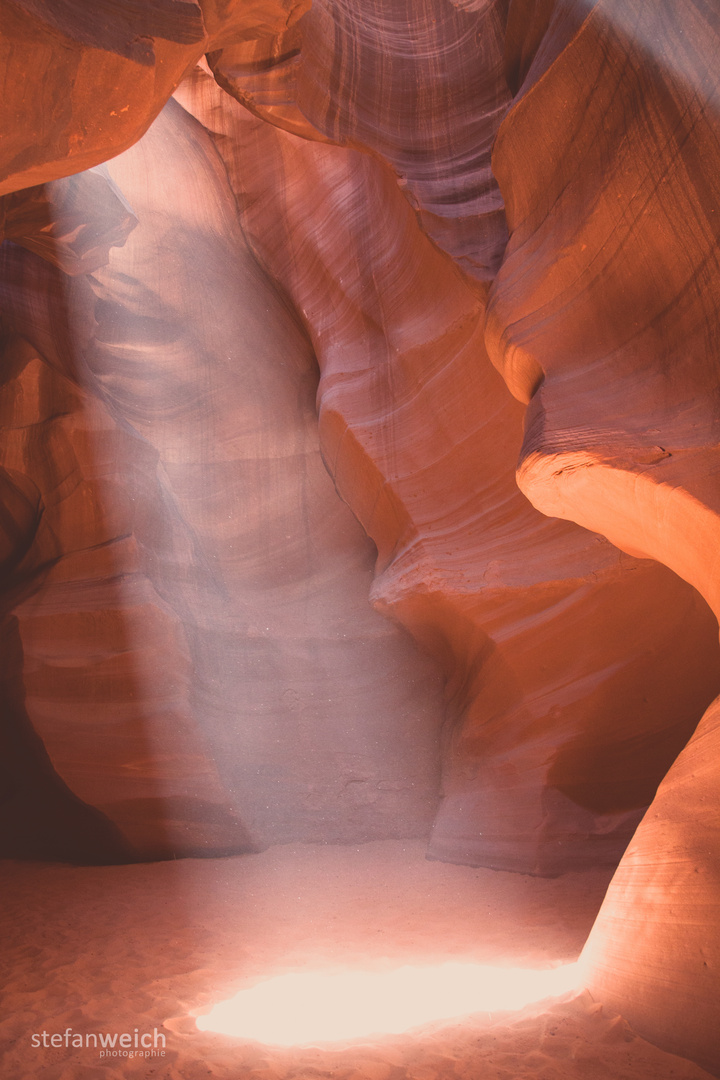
[(146, 947)]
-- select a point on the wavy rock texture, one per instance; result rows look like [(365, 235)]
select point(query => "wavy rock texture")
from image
[(82, 85), (174, 556), (419, 84), (539, 773), (102, 662), (210, 585), (605, 317)]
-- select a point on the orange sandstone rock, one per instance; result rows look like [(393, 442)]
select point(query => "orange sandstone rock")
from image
[(604, 316), (540, 772), (173, 553), (81, 85)]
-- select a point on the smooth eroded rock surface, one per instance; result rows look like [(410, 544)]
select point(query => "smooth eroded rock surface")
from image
[(539, 770), (191, 661), (200, 658), (604, 317)]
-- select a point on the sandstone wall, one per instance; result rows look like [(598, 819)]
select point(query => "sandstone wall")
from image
[(310, 257)]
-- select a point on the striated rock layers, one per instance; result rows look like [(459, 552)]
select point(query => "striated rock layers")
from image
[(80, 86), (604, 316), (540, 771), (199, 657), (313, 223)]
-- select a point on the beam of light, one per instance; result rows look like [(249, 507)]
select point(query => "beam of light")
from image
[(292, 1010)]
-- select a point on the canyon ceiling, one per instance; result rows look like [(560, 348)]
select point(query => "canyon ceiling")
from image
[(359, 452)]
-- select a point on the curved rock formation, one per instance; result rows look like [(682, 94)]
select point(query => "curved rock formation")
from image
[(605, 316), (210, 585), (420, 85), (655, 948), (539, 774), (106, 74), (184, 595)]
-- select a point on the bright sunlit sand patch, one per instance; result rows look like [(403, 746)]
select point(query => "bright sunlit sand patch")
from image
[(292, 1010)]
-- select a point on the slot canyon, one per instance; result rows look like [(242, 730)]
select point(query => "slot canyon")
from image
[(360, 569)]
